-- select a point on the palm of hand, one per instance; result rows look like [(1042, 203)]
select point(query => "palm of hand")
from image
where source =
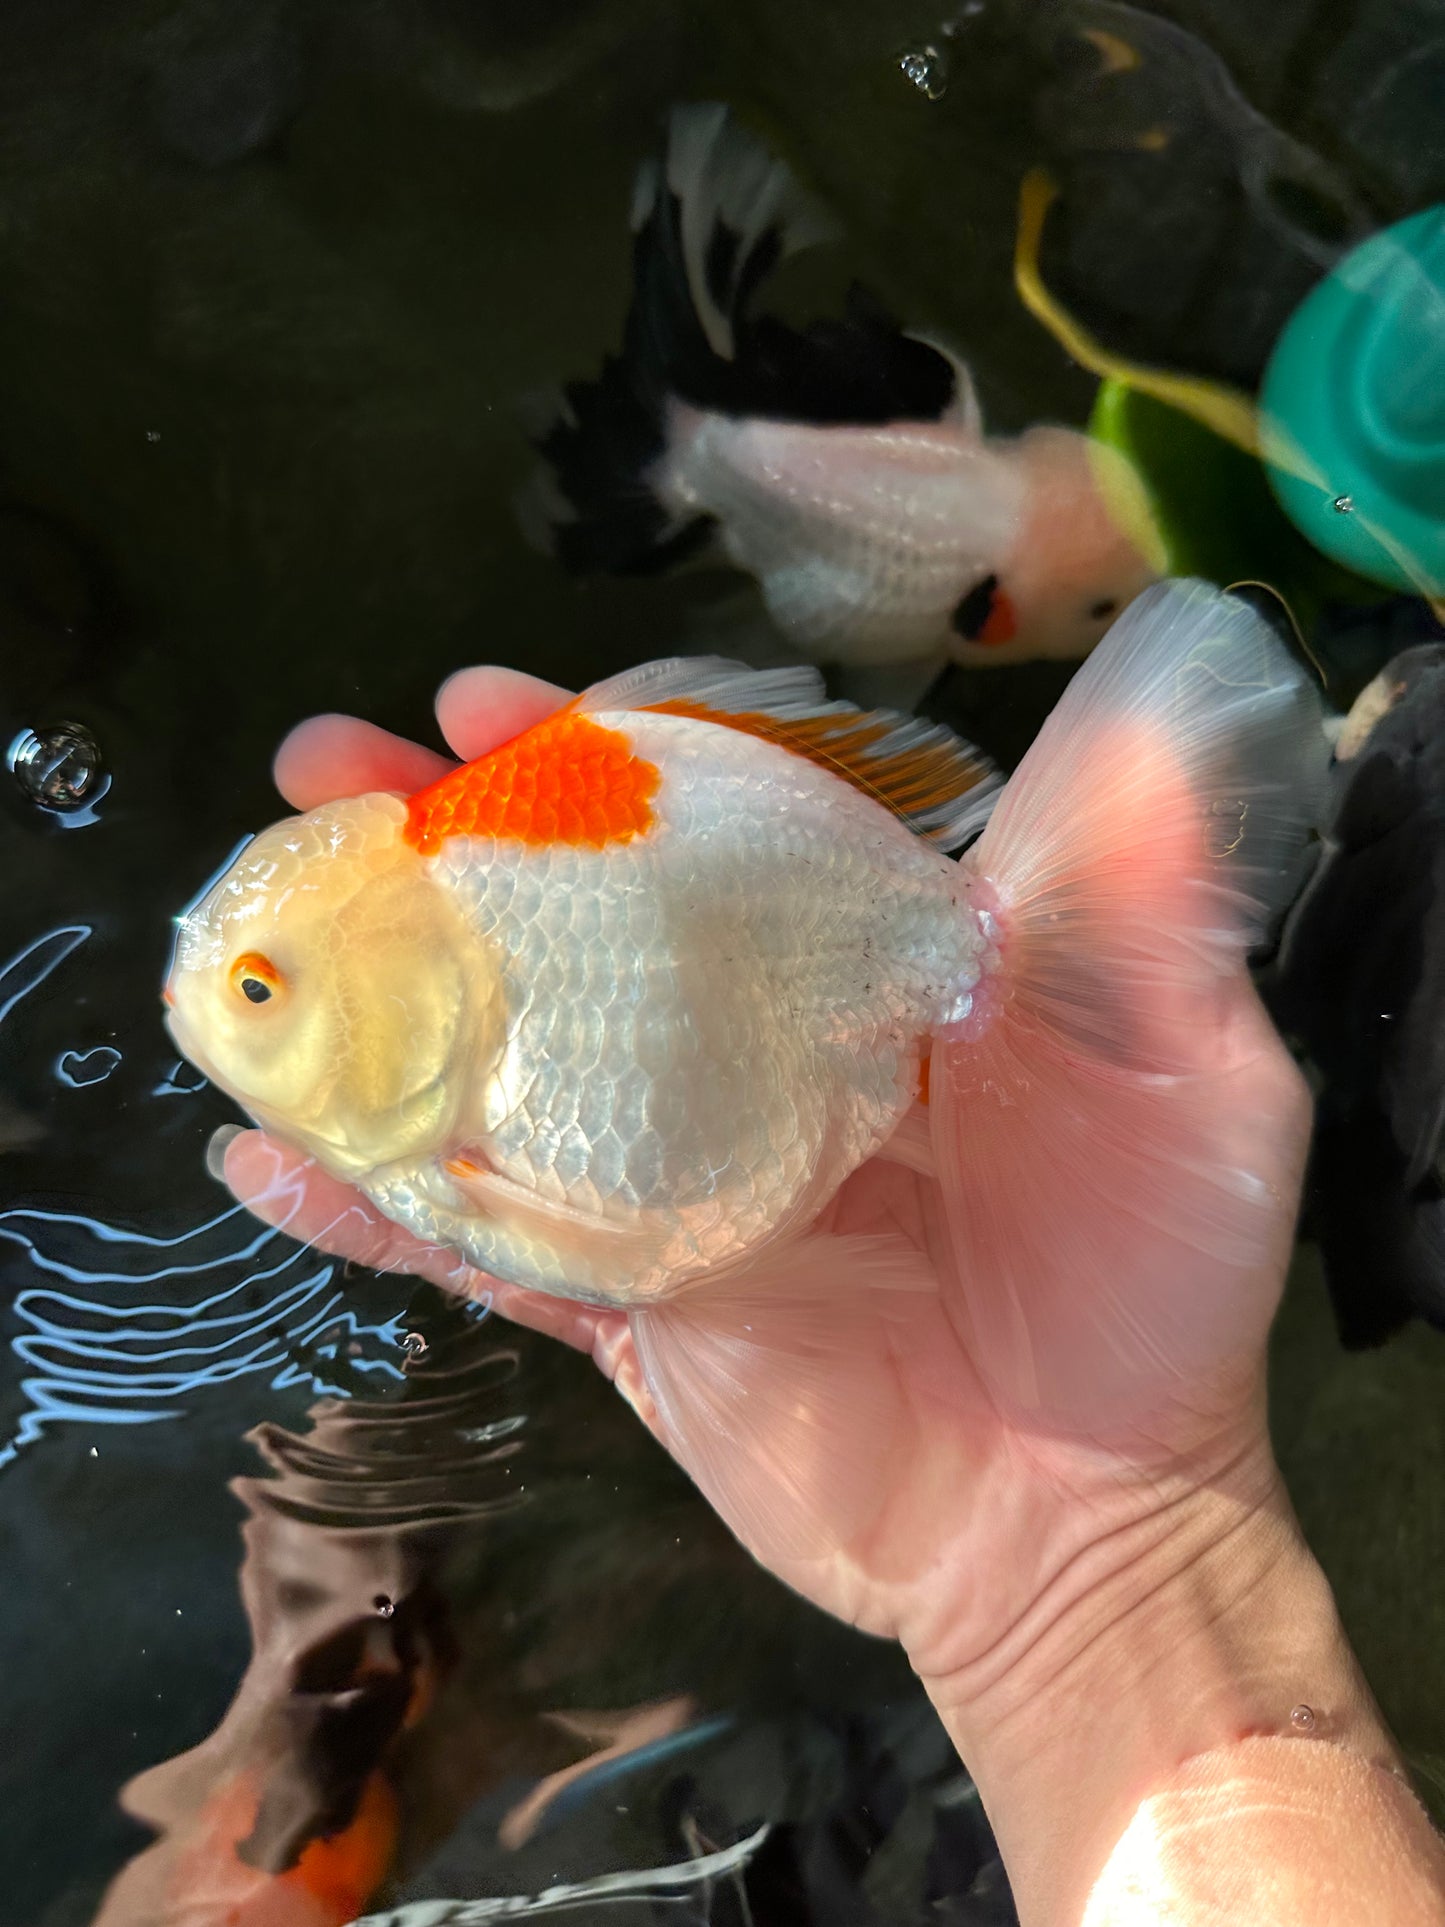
[(987, 1503)]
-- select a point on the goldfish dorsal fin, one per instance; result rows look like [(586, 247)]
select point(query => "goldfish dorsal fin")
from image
[(938, 784), (965, 410)]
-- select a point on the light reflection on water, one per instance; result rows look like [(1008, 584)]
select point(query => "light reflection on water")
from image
[(689, 1885), (236, 1299), (78, 1070), (29, 968), (131, 1342)]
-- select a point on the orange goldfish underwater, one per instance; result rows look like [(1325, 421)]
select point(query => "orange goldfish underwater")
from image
[(615, 1010)]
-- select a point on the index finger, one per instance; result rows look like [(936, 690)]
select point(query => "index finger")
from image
[(330, 756), (480, 708)]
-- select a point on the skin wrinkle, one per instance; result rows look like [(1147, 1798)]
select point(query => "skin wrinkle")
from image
[(937, 1623), (1048, 1608), (1140, 1601), (1206, 1663)]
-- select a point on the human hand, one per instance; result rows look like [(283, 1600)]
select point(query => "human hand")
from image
[(946, 1354), (1007, 1547)]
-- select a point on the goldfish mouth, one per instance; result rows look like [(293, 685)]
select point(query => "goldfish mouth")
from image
[(1002, 624), (175, 1025), (986, 615)]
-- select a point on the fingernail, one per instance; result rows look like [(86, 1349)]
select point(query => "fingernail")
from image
[(221, 1142)]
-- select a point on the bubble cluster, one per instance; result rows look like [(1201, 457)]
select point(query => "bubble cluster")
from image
[(927, 68)]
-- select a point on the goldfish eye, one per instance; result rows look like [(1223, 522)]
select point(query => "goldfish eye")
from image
[(256, 977)]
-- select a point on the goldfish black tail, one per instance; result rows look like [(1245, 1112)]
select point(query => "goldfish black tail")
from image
[(712, 220)]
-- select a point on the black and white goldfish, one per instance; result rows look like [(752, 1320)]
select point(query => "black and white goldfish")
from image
[(844, 465)]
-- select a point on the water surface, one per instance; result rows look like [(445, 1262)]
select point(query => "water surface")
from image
[(274, 282)]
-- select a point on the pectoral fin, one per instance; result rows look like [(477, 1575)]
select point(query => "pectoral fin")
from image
[(529, 1239)]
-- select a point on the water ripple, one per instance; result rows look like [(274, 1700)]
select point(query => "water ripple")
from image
[(440, 1453), (241, 1300), (29, 968)]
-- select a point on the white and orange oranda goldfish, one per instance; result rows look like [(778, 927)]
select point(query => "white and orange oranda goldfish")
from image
[(614, 1010), (844, 466)]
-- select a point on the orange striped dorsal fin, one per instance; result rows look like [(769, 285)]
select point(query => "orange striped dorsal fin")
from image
[(939, 785), (915, 769), (566, 780)]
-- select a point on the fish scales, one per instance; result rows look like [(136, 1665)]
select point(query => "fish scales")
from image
[(706, 1021), (616, 1011)]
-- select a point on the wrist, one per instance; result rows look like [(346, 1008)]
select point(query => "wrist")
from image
[(1190, 1619)]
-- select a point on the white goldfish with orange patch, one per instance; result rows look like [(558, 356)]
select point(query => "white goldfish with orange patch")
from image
[(615, 1010), (844, 465)]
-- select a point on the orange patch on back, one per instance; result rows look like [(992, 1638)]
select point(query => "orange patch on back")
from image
[(568, 780), (906, 781)]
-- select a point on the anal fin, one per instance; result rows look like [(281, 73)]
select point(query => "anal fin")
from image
[(911, 1144), (773, 1388)]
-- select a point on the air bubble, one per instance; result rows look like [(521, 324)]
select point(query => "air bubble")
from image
[(414, 1345), (60, 768), (1343, 505), (927, 68), (1302, 1718), (383, 1605)]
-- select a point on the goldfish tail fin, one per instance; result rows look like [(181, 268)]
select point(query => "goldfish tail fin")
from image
[(1151, 833), (773, 1390), (712, 219)]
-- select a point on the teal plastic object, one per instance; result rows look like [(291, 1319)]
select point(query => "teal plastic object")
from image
[(1353, 409)]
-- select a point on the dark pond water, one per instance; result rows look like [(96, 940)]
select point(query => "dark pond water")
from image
[(278, 1540)]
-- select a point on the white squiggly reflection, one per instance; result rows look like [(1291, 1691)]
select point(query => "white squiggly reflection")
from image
[(687, 1882), (238, 1300), (29, 967)]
